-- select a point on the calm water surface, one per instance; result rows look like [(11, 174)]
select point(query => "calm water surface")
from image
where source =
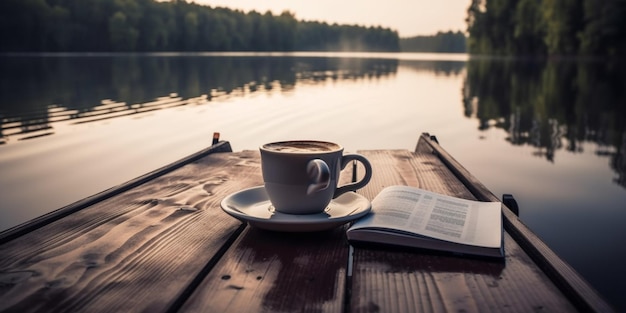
[(549, 132)]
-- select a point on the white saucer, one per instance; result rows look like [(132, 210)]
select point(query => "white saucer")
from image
[(253, 206)]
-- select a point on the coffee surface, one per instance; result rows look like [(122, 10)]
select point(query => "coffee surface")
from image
[(301, 146)]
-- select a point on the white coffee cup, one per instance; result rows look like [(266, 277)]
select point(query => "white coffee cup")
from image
[(301, 176)]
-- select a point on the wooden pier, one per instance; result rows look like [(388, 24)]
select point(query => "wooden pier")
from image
[(161, 243)]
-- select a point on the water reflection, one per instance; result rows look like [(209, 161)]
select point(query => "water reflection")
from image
[(552, 105), (444, 68), (380, 102), (37, 91)]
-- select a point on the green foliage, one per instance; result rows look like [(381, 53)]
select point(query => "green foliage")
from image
[(441, 42), (605, 30), (563, 19), (123, 36), (149, 25), (316, 36), (552, 27), (528, 31)]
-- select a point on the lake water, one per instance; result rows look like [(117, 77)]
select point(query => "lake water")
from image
[(549, 132)]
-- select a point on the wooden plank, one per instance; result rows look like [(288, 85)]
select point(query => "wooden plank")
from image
[(268, 271), (564, 276), (140, 250), (164, 244), (35, 223), (395, 280)]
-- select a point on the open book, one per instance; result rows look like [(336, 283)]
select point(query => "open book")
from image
[(412, 217)]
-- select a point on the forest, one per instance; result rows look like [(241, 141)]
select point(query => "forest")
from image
[(177, 25), (549, 27), (449, 41)]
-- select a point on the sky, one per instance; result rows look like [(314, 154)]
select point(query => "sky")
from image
[(408, 17)]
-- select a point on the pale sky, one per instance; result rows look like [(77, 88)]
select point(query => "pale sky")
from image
[(408, 17)]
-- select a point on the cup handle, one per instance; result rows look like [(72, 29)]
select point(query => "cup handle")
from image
[(347, 158), (319, 175)]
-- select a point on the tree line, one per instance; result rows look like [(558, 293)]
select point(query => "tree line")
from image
[(550, 27), (441, 42), (177, 25)]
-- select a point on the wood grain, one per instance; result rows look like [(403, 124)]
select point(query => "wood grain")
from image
[(393, 280), (165, 245), (268, 271), (38, 222), (562, 274), (135, 251)]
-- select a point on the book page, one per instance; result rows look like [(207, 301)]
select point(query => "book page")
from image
[(434, 215)]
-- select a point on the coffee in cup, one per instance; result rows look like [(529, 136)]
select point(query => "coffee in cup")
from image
[(301, 176)]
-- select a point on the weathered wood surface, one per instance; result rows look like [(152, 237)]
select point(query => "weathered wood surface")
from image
[(166, 245), (277, 272), (223, 146), (140, 250), (429, 282), (562, 274)]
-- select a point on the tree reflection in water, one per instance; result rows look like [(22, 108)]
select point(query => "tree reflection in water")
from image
[(552, 104), (37, 91)]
